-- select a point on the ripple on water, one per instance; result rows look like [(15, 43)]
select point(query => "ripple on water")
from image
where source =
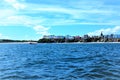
[(60, 62)]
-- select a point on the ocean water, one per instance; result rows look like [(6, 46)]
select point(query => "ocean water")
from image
[(87, 61)]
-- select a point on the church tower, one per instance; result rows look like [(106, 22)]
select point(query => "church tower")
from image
[(101, 34)]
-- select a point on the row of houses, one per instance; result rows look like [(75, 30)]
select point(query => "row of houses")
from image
[(87, 38), (58, 37)]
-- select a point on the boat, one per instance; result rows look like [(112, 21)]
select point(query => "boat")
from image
[(32, 42)]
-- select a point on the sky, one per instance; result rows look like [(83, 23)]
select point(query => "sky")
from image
[(31, 19)]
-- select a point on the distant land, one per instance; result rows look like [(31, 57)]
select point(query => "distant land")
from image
[(85, 38), (69, 39), (9, 40)]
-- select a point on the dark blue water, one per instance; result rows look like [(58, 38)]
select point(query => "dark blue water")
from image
[(60, 61)]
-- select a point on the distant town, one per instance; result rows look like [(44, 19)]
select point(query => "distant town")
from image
[(85, 38), (69, 39)]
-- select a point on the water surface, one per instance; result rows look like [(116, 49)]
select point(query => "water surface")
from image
[(60, 61)]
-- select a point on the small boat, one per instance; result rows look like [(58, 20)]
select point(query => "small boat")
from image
[(32, 42)]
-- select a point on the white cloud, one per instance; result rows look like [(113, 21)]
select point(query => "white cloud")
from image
[(79, 10), (19, 12), (77, 13), (73, 13), (4, 13), (81, 14), (15, 4), (114, 30), (41, 30), (3, 36), (0, 35)]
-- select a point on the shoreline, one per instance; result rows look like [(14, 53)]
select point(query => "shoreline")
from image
[(16, 42), (61, 43)]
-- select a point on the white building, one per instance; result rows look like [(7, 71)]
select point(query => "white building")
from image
[(116, 36), (69, 37), (48, 36)]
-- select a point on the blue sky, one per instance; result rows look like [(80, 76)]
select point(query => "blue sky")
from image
[(31, 19)]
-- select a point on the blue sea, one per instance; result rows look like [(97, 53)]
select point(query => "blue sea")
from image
[(83, 61)]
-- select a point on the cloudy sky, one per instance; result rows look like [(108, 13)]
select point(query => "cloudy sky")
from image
[(31, 19)]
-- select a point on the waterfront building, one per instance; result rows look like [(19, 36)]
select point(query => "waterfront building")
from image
[(59, 37), (69, 37), (48, 36), (77, 38), (86, 37), (116, 36), (102, 37)]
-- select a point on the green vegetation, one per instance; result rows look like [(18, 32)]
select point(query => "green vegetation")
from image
[(8, 40), (69, 39), (85, 38)]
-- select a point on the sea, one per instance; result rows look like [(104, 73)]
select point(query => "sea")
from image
[(60, 61)]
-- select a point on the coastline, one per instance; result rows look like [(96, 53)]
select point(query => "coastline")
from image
[(15, 42), (62, 43), (84, 43)]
